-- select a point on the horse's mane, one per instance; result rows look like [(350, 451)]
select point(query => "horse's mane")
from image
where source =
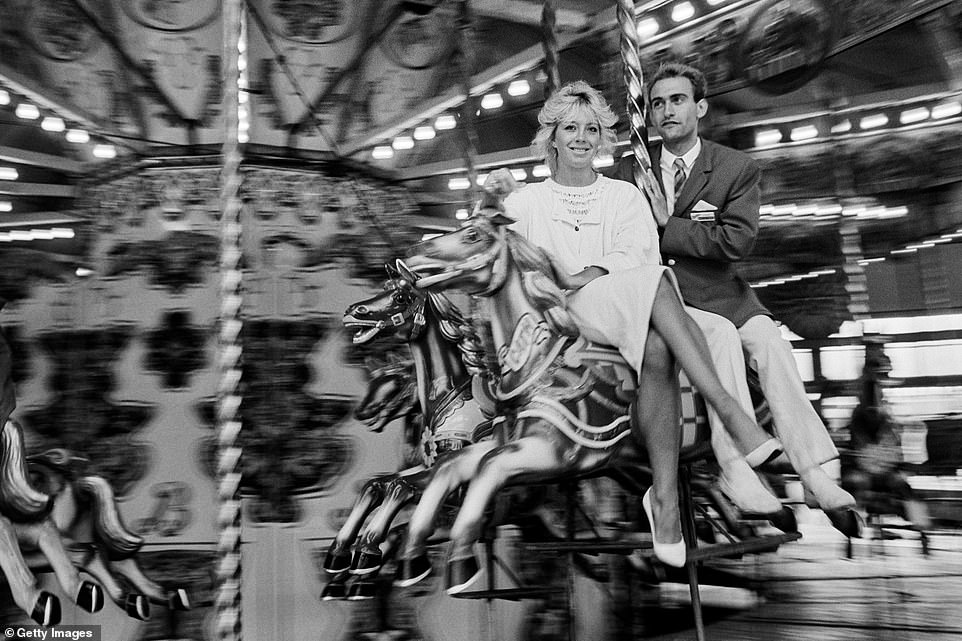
[(18, 498), (538, 281), (455, 328)]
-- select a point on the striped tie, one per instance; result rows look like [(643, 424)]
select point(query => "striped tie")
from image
[(679, 166)]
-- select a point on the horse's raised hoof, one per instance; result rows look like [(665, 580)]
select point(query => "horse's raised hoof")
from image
[(90, 597), (137, 606), (361, 590), (413, 570), (46, 611), (337, 559), (178, 600), (461, 574), (845, 520), (784, 520), (366, 562), (335, 590)]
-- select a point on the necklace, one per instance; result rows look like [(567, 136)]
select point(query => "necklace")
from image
[(576, 203)]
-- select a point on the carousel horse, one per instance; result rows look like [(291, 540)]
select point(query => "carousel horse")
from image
[(446, 357), (565, 401), (86, 516), (391, 394), (27, 524)]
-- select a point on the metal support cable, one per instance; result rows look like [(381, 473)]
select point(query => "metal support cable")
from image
[(549, 43), (469, 132)]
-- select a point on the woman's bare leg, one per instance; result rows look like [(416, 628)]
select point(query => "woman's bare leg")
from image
[(688, 344), (655, 424)]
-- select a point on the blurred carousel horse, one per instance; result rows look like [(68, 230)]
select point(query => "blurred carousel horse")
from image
[(565, 401), (391, 394), (67, 524), (86, 516), (27, 525), (446, 355)]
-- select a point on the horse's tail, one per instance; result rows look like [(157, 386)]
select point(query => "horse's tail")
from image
[(110, 528), (19, 500)]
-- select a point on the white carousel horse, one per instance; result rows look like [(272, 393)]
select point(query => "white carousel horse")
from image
[(445, 355), (565, 401)]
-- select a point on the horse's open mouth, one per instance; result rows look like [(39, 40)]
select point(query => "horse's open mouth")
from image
[(364, 330)]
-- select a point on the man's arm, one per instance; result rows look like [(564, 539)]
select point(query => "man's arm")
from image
[(732, 235)]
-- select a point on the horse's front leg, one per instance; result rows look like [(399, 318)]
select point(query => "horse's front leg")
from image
[(449, 473), (43, 607), (338, 557), (399, 493), (527, 455), (45, 537)]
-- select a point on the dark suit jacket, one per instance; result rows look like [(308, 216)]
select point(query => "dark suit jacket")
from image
[(722, 187)]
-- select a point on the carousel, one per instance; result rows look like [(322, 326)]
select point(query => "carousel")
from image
[(280, 371)]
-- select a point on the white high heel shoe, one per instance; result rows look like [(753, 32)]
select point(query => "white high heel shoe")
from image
[(673, 554)]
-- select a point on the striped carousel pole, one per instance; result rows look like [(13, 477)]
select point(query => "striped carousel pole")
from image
[(549, 44), (228, 576), (635, 84)]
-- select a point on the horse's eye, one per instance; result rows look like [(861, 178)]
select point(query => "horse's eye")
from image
[(471, 235)]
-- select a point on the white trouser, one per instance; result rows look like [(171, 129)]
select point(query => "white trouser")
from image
[(797, 425)]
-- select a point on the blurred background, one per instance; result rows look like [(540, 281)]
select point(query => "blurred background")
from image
[(367, 125)]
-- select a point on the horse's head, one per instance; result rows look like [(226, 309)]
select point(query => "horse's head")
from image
[(390, 394), (471, 258), (399, 309)]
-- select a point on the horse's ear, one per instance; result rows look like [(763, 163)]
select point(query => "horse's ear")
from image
[(404, 271), (391, 271)]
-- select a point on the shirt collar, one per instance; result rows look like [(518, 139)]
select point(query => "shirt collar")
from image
[(690, 156)]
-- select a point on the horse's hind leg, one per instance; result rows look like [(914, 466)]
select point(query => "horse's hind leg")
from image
[(175, 600), (43, 607), (135, 605), (46, 538), (338, 557)]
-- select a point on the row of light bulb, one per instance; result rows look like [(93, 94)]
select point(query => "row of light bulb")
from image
[(680, 12), (54, 124), (24, 235), (911, 248), (770, 136), (444, 122)]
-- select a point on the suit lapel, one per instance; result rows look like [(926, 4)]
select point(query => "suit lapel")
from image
[(656, 166), (697, 179)]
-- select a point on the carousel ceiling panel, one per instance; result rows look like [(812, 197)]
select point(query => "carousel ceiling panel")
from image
[(330, 79)]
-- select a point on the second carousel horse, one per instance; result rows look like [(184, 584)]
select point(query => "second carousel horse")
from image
[(441, 344), (86, 516)]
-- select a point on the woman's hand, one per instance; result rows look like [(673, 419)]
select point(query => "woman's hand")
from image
[(573, 281), (500, 183)]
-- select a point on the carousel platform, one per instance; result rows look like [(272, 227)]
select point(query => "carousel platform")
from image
[(811, 589)]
